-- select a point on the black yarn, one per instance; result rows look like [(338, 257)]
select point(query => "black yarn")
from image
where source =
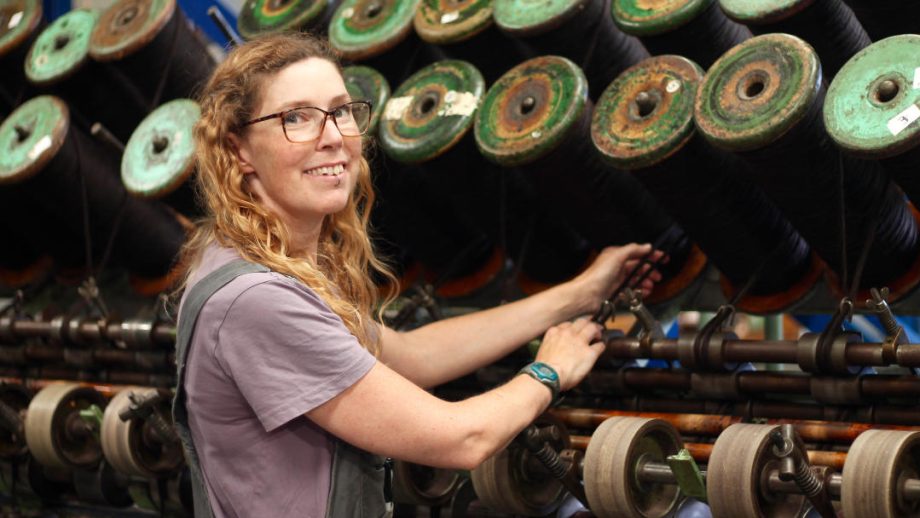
[(100, 92), (149, 237), (607, 206), (830, 27), (884, 18), (702, 39), (14, 87), (409, 55), (800, 172), (903, 170), (491, 51), (730, 218), (175, 64), (592, 41)]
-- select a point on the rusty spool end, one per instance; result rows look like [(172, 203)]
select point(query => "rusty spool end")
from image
[(757, 91)]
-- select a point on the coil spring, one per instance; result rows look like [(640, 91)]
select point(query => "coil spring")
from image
[(548, 456), (806, 480)]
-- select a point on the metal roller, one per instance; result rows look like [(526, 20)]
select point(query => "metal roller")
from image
[(137, 446), (739, 467), (618, 448), (513, 481), (423, 485), (876, 475), (56, 434)]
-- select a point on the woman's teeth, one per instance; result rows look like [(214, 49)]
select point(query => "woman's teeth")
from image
[(327, 171)]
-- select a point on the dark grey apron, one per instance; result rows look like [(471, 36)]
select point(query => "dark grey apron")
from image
[(358, 477)]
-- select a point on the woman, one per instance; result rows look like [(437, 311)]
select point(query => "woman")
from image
[(284, 374)]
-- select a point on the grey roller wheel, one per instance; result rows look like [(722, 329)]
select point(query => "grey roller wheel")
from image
[(617, 449), (877, 466), (736, 479)]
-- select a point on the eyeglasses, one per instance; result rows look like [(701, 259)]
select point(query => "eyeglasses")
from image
[(306, 123)]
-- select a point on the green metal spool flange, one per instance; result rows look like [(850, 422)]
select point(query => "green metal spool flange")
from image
[(18, 20), (762, 12), (651, 17), (128, 26), (443, 22), (160, 155), (533, 17), (757, 91), (530, 110), (365, 83), (31, 136), (646, 114), (272, 16), (361, 29), (873, 104), (431, 111), (62, 48)]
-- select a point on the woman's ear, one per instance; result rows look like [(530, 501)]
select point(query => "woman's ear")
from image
[(242, 152)]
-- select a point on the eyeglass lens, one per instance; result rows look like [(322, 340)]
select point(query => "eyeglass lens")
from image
[(305, 124)]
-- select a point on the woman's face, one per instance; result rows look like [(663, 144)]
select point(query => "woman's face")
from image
[(300, 182)]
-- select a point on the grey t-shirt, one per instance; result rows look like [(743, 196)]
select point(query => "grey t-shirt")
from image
[(266, 349)]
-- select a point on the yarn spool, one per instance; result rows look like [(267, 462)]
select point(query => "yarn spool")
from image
[(274, 16), (696, 29), (20, 23), (424, 126), (885, 18), (537, 116), (465, 30), (30, 139), (58, 63), (827, 25), (365, 83), (379, 33), (871, 109), (644, 124), (601, 49), (48, 161), (151, 43), (21, 261), (159, 159), (763, 100)]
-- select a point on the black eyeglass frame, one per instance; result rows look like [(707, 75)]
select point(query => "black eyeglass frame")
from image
[(322, 127)]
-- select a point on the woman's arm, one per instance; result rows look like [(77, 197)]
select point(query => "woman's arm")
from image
[(386, 414), (447, 349)]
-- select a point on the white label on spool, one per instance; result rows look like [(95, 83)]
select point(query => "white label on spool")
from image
[(450, 17), (396, 107), (459, 103), (904, 119), (348, 13), (673, 86), (916, 78), (40, 147), (14, 20)]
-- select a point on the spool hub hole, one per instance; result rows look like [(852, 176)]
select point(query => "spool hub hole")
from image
[(127, 16), (373, 10), (646, 104), (886, 91), (753, 86), (428, 103), (61, 41), (160, 144), (527, 105)]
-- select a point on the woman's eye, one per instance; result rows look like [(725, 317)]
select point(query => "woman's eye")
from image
[(296, 117)]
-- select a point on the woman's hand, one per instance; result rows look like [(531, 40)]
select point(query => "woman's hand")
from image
[(571, 348), (610, 269)]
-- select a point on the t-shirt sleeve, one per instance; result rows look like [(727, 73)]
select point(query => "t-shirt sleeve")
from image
[(287, 351)]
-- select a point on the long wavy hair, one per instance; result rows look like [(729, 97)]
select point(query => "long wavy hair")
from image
[(345, 260)]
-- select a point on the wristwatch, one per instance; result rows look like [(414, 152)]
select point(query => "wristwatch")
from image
[(545, 375)]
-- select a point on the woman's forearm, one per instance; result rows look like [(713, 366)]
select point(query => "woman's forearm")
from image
[(450, 348)]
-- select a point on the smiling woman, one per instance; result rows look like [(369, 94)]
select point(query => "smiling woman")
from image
[(285, 377)]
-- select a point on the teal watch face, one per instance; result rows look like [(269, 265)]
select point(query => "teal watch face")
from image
[(544, 371)]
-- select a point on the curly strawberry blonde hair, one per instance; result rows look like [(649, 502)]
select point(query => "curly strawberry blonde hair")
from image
[(345, 261)]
